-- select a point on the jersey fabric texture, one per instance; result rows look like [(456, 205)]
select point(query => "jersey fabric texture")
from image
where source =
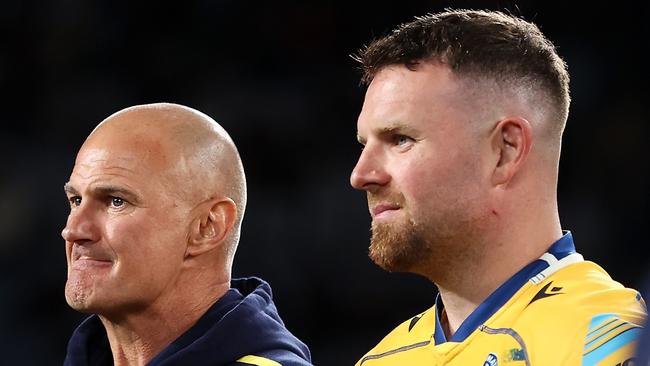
[(243, 328), (558, 310)]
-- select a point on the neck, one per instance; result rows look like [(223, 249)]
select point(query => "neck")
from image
[(136, 338), (463, 291)]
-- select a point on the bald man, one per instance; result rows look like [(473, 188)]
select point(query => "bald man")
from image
[(461, 126), (157, 196)]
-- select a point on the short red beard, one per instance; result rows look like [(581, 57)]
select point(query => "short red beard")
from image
[(398, 249)]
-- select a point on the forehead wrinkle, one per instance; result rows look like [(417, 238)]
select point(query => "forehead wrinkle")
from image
[(114, 167), (98, 183), (91, 157), (112, 175)]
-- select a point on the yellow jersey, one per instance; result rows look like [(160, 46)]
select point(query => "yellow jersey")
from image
[(558, 310)]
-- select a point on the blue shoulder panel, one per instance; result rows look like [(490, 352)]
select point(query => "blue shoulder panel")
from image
[(607, 334)]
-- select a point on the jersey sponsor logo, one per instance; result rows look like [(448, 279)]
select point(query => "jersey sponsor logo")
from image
[(515, 354), (414, 321), (544, 293), (491, 360)]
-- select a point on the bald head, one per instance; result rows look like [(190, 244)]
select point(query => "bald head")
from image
[(196, 158)]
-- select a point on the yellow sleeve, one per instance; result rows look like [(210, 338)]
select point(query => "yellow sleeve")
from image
[(258, 361)]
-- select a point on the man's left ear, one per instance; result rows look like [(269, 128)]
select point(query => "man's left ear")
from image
[(512, 139), (212, 225)]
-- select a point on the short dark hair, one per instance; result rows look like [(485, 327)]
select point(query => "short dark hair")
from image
[(484, 44)]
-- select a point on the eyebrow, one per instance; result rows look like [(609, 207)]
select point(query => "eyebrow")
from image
[(107, 190), (392, 128), (395, 127), (68, 188)]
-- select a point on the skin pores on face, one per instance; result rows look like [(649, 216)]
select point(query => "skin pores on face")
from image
[(422, 168), (126, 231)]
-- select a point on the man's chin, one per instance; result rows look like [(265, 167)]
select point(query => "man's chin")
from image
[(80, 296), (79, 303), (392, 261), (396, 249)]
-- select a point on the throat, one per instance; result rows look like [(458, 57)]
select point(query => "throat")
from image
[(454, 311), (444, 324)]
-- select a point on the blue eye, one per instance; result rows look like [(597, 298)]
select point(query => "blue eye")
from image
[(117, 202), (401, 140)]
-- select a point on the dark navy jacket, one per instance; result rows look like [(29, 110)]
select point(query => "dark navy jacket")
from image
[(243, 325)]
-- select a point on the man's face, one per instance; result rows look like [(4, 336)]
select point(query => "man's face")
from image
[(126, 233), (421, 167)]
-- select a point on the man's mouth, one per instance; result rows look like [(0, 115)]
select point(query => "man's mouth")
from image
[(383, 209), (84, 262)]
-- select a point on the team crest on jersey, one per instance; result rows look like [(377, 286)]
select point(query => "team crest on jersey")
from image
[(491, 360)]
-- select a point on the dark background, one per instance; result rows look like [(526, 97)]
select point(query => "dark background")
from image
[(278, 77)]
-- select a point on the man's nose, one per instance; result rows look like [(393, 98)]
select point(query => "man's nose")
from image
[(370, 172), (80, 227)]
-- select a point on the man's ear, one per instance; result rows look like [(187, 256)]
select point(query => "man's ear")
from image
[(213, 223), (512, 140)]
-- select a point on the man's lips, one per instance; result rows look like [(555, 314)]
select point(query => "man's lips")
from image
[(383, 209), (84, 262), (84, 257), (89, 258), (90, 252)]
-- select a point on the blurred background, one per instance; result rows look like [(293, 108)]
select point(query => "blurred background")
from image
[(278, 76)]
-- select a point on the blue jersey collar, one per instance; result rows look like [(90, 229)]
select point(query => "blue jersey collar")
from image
[(560, 249)]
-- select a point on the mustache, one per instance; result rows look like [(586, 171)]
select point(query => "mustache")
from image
[(374, 199)]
